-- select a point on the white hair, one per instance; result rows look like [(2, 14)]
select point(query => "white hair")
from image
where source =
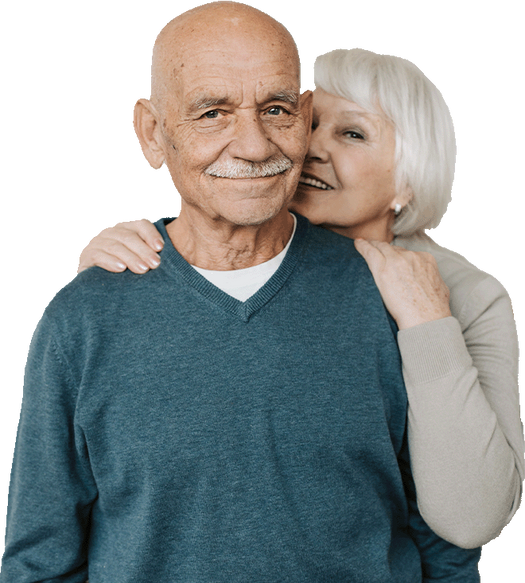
[(425, 153)]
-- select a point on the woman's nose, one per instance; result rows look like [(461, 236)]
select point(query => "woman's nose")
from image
[(318, 150)]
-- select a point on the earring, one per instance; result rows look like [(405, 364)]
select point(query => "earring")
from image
[(397, 209)]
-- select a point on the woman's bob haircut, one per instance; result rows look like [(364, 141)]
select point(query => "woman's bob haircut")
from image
[(425, 144)]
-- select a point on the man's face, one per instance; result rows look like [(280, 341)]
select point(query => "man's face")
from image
[(236, 104)]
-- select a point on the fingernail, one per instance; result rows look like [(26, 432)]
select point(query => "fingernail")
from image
[(121, 265), (154, 262), (143, 267), (158, 245)]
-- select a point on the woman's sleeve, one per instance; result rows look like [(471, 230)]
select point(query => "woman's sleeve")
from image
[(465, 433)]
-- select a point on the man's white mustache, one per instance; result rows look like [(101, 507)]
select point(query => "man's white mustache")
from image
[(237, 168)]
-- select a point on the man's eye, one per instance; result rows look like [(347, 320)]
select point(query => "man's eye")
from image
[(276, 110), (213, 114)]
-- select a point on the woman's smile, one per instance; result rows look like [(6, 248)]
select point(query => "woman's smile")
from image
[(351, 162), (313, 181)]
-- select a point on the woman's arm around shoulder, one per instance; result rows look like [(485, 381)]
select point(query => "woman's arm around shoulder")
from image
[(465, 433), (465, 408)]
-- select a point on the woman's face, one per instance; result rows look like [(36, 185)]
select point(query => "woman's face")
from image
[(348, 180)]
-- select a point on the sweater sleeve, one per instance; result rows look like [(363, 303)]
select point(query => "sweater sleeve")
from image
[(52, 488), (465, 434), (440, 560)]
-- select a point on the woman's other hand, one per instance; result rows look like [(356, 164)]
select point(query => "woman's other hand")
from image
[(132, 245), (410, 284)]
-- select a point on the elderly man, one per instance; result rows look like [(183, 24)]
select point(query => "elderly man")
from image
[(238, 414)]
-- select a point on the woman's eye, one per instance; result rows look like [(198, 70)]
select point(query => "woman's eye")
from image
[(353, 135)]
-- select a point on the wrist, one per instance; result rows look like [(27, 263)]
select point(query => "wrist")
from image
[(417, 318)]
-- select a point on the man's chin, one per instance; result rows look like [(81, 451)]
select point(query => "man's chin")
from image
[(253, 212), (252, 219)]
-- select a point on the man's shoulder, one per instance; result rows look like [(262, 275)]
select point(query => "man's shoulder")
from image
[(94, 292), (94, 283), (334, 258), (331, 260), (328, 244)]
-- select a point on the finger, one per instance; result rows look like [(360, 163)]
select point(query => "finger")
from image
[(371, 253), (112, 255), (151, 235), (101, 259), (136, 245), (390, 251), (399, 259), (120, 241), (146, 231), (133, 252)]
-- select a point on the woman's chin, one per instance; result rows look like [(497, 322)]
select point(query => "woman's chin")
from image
[(309, 209)]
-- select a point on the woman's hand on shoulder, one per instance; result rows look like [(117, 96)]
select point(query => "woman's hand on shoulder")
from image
[(131, 245), (409, 282)]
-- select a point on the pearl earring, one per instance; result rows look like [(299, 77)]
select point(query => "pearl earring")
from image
[(397, 209)]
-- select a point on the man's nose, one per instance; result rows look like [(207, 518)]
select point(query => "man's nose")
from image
[(251, 141)]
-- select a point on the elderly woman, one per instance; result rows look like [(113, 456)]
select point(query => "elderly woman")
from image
[(380, 170)]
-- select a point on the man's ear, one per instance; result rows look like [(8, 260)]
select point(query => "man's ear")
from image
[(307, 111), (147, 128)]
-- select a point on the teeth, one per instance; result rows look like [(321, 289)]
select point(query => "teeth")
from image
[(314, 182)]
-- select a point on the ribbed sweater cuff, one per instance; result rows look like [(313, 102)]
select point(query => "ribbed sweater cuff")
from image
[(432, 350)]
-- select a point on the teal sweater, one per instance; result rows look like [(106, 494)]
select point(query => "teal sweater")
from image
[(170, 433)]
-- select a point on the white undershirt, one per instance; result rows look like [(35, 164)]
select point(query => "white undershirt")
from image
[(243, 283)]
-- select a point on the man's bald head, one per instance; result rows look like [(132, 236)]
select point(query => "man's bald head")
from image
[(228, 26)]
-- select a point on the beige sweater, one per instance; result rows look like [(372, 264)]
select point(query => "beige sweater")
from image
[(465, 433)]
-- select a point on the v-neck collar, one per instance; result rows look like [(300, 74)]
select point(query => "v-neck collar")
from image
[(172, 259)]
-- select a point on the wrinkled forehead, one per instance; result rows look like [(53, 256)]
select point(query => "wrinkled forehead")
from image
[(253, 52), (256, 68), (212, 78)]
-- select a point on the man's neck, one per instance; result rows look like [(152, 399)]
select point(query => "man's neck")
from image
[(221, 246)]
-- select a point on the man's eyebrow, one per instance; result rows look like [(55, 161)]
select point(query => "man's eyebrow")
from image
[(203, 102), (286, 96)]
